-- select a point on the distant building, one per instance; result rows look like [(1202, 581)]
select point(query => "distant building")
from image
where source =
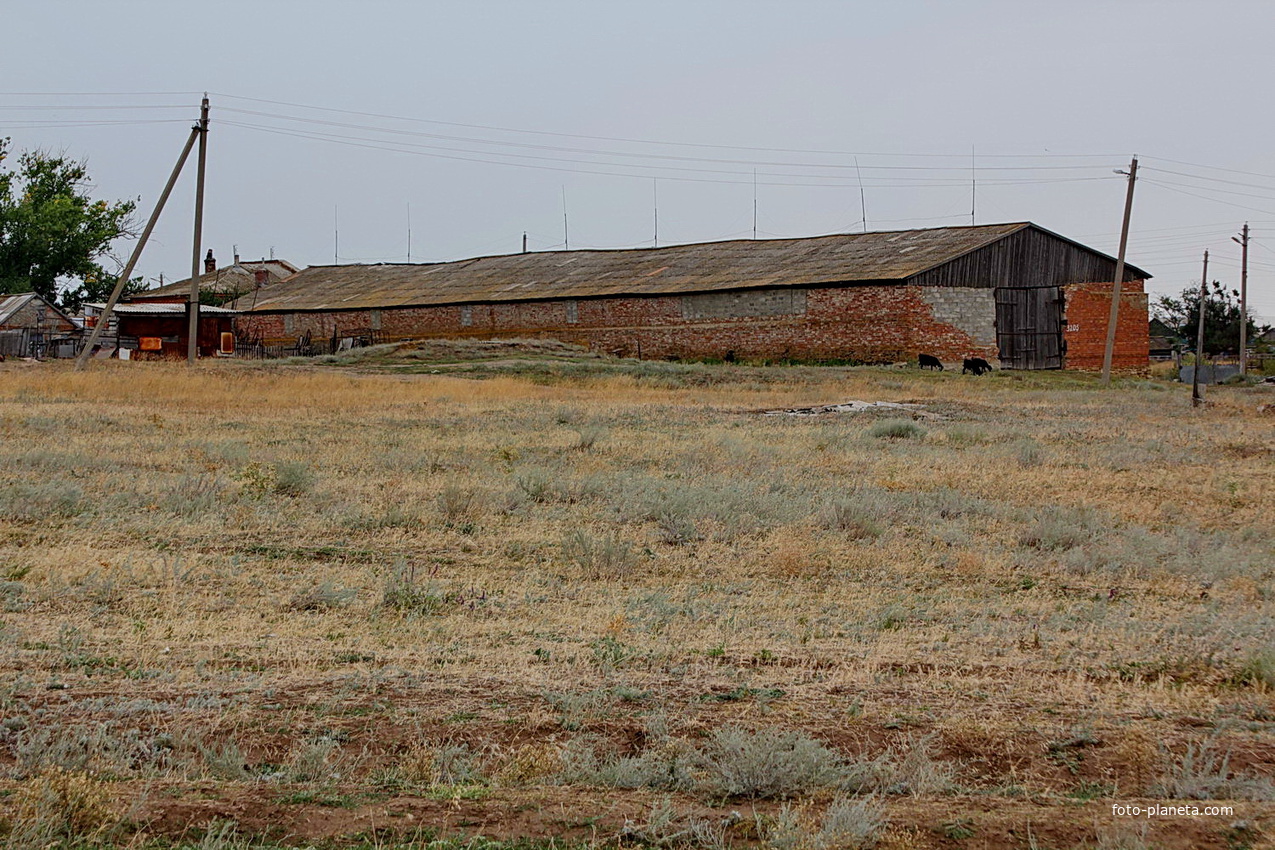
[(1014, 293), (32, 326), (221, 285), (159, 330)]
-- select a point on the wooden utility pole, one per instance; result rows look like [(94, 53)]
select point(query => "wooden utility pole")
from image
[(87, 351), (192, 345), (1243, 240), (1109, 351), (1197, 397)]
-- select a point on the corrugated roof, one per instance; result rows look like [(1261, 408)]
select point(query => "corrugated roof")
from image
[(705, 267), (157, 309), (236, 278), (11, 304)]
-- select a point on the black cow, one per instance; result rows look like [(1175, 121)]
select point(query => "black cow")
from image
[(929, 361), (975, 366)]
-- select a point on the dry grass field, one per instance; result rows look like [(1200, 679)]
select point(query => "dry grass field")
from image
[(516, 597)]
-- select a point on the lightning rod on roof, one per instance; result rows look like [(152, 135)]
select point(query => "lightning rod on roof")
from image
[(973, 185), (655, 200), (566, 235), (863, 201)]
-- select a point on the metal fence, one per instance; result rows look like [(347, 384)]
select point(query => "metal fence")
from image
[(308, 347)]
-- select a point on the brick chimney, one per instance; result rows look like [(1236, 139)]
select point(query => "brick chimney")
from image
[(262, 276), (210, 265)]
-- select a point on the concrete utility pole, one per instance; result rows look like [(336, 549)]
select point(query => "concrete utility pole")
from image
[(1197, 397), (1109, 351), (192, 345), (1243, 240), (87, 351)]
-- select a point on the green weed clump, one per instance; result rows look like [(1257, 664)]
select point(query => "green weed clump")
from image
[(854, 518), (323, 597), (403, 593), (44, 500), (606, 557), (896, 429)]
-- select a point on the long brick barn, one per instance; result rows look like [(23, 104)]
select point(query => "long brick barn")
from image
[(1014, 293)]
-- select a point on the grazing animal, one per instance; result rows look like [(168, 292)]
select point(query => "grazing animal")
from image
[(975, 366), (929, 361)]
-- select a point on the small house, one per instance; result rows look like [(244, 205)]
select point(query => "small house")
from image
[(33, 326)]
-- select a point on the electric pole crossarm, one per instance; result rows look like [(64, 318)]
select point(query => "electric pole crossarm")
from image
[(87, 351)]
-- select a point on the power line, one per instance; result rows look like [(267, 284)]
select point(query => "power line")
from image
[(90, 108), (1170, 188), (642, 141), (629, 154), (484, 157), (97, 93), (1212, 167)]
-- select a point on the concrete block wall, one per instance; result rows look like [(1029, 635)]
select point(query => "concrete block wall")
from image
[(1088, 308), (969, 309), (873, 324)]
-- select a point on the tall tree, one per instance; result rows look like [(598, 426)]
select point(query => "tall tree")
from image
[(1181, 315), (53, 235)]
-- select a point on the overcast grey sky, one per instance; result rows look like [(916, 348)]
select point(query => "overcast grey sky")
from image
[(1049, 97)]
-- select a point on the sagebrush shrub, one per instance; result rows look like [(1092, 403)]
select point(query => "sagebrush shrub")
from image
[(771, 763)]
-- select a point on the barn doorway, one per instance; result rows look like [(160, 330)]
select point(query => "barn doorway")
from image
[(1029, 327)]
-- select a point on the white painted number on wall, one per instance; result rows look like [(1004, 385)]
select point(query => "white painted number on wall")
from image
[(1071, 329)]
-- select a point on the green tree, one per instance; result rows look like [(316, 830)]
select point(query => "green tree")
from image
[(1181, 315), (53, 235)]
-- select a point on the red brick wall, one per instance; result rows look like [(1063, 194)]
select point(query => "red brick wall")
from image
[(865, 323), (1088, 307)]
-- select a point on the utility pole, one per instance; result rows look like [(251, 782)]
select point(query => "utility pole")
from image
[(1197, 397), (524, 241), (1243, 240), (87, 351), (1112, 316), (192, 345)]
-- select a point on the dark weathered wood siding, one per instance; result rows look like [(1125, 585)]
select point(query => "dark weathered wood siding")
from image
[(1027, 258), (1029, 327)]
